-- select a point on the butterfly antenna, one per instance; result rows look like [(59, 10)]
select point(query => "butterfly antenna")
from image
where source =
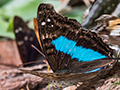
[(42, 55), (37, 50), (21, 65)]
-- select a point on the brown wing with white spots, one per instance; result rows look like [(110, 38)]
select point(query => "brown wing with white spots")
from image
[(24, 38), (52, 25)]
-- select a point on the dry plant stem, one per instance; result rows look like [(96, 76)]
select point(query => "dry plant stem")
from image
[(27, 86), (87, 2), (62, 5)]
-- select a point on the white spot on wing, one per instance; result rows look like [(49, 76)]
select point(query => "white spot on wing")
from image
[(48, 20), (20, 29), (26, 38), (39, 12), (51, 25), (31, 38), (43, 23), (16, 31), (20, 43)]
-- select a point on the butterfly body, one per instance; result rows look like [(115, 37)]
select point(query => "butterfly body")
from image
[(74, 54)]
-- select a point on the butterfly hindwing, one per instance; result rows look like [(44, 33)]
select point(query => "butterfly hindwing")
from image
[(65, 43), (63, 76), (24, 38)]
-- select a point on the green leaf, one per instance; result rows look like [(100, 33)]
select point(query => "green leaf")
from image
[(26, 9), (2, 2), (10, 26), (3, 29)]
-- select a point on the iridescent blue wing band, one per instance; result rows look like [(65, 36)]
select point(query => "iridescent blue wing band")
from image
[(69, 47)]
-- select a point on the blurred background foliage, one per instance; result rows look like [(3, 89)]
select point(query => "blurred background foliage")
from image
[(27, 10)]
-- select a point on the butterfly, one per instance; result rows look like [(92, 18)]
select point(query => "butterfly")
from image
[(24, 38), (74, 54)]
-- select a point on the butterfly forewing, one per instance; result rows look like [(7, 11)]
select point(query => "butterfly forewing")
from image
[(65, 43)]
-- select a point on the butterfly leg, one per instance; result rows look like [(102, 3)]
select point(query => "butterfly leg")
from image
[(48, 69)]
